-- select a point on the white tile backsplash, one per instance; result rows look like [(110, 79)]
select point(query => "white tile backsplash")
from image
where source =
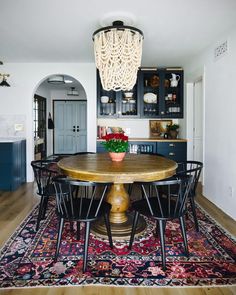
[(7, 125), (135, 127)]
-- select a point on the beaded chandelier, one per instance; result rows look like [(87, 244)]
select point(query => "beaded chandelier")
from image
[(118, 52)]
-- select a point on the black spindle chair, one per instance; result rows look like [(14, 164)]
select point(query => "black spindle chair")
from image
[(194, 169), (131, 185), (163, 207), (44, 171), (83, 203)]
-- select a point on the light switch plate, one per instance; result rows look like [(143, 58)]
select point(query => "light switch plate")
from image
[(19, 127)]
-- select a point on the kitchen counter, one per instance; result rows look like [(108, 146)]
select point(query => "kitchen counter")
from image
[(153, 139), (11, 139)]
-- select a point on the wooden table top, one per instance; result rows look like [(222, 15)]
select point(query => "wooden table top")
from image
[(100, 168)]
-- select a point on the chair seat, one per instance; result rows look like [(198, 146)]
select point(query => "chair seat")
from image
[(49, 190), (77, 216)]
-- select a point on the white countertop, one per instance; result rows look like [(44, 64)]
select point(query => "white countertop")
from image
[(11, 139)]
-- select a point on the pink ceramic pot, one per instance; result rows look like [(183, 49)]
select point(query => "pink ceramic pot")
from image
[(117, 157)]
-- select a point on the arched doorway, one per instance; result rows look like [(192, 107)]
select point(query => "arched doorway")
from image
[(56, 95)]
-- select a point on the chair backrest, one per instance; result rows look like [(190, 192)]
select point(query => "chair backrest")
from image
[(167, 199), (44, 170), (193, 168), (83, 199)]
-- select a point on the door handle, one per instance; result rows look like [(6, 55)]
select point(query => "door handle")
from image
[(77, 128)]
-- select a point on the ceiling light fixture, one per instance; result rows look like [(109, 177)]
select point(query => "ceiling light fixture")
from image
[(73, 92), (67, 81), (118, 53), (56, 80), (4, 80)]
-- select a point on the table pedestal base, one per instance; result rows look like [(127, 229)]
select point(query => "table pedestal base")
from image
[(119, 231), (121, 221)]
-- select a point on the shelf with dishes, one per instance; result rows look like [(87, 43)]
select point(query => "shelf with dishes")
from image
[(129, 104), (161, 93), (107, 106), (158, 93)]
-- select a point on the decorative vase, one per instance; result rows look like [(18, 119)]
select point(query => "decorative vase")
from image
[(173, 134), (117, 157)]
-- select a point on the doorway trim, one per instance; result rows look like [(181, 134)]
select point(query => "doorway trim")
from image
[(189, 116)]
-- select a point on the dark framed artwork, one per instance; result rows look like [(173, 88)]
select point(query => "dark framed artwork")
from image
[(157, 128)]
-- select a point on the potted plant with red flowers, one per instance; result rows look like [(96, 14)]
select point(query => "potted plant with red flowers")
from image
[(117, 145)]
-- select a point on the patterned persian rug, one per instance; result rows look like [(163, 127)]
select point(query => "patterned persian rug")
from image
[(27, 258)]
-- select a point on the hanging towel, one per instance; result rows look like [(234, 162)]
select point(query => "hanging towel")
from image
[(50, 122)]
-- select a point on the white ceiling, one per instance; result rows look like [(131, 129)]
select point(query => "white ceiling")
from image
[(61, 31)]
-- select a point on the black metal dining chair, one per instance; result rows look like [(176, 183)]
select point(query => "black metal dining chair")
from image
[(193, 168), (130, 188), (85, 203), (163, 207), (44, 171), (58, 157)]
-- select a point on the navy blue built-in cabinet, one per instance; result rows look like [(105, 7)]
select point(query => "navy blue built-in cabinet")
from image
[(12, 163)]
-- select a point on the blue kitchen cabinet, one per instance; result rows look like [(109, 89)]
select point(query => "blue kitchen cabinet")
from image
[(176, 151), (12, 164)]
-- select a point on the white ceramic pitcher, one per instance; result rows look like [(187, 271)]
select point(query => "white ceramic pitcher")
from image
[(174, 80)]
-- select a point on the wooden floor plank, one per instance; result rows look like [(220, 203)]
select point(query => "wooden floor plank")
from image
[(14, 206)]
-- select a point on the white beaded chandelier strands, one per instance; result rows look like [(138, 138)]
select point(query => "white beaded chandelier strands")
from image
[(118, 53)]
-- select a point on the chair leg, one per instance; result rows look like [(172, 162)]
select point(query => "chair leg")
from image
[(157, 226), (193, 206), (183, 230), (71, 226), (135, 222), (60, 228), (187, 215), (40, 213), (162, 240), (86, 242), (108, 226), (45, 205), (78, 230)]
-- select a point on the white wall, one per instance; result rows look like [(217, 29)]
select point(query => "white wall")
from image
[(220, 119), (25, 79)]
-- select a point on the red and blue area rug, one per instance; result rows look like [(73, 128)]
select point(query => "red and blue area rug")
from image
[(27, 258)]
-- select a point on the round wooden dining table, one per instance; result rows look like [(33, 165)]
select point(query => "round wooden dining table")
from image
[(134, 167)]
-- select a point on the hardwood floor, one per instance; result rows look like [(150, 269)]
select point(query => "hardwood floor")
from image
[(14, 206)]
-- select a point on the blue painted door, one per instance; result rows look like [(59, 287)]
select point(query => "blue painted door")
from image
[(70, 132)]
